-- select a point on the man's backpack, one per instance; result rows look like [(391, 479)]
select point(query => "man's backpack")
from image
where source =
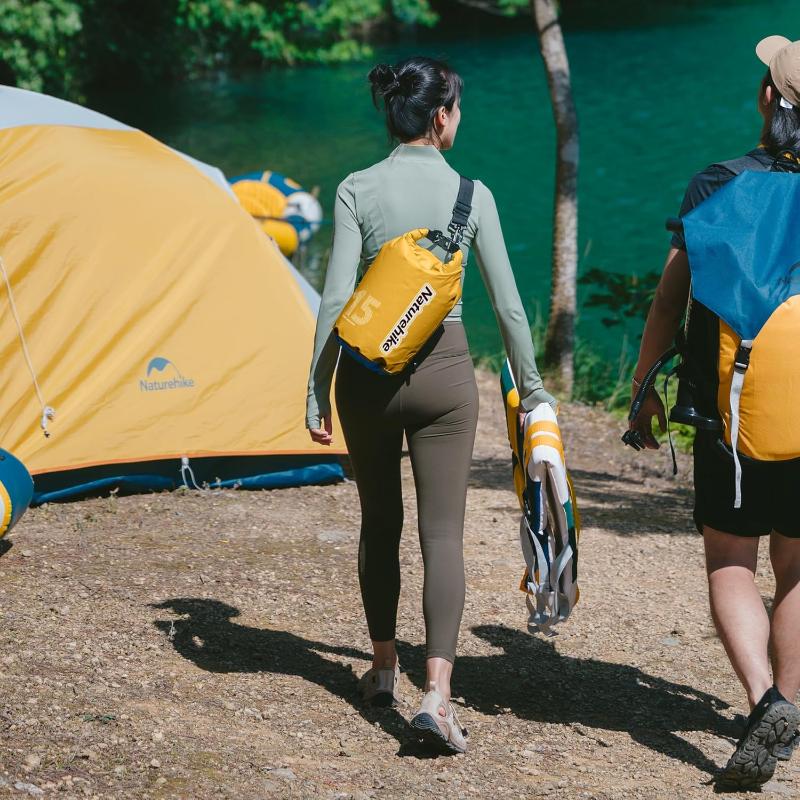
[(740, 370)]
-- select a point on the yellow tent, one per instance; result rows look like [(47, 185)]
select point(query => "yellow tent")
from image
[(154, 316)]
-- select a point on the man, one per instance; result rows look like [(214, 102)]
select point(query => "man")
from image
[(734, 509)]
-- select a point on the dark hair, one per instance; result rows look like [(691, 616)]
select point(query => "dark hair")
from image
[(782, 127), (412, 92)]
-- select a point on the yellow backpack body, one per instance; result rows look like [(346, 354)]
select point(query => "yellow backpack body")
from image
[(405, 294)]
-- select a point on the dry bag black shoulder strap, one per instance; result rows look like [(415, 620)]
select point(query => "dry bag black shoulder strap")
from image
[(461, 210)]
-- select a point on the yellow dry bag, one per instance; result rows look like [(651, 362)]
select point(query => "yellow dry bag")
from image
[(405, 294)]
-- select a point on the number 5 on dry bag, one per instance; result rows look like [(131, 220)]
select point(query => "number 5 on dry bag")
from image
[(405, 294)]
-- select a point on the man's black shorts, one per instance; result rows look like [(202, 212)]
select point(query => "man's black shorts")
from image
[(770, 493)]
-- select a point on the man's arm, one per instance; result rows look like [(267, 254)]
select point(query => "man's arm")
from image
[(663, 321)]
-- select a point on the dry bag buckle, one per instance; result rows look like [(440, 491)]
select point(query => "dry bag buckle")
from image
[(456, 232), (448, 244)]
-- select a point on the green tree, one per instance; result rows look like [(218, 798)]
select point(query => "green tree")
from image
[(559, 348), (38, 43)]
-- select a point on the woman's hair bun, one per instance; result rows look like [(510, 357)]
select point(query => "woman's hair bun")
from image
[(384, 80), (411, 92)]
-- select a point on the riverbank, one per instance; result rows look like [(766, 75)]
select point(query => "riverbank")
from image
[(201, 646)]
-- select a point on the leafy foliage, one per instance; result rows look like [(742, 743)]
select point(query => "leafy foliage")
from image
[(62, 45), (626, 297), (37, 42)]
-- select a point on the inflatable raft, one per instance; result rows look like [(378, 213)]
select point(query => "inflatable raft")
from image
[(287, 213), (16, 491)]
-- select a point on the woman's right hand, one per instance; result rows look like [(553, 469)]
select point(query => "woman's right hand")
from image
[(323, 435), (651, 407)]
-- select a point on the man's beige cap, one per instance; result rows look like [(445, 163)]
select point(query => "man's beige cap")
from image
[(782, 56)]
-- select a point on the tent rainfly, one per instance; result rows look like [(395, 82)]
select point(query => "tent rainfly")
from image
[(144, 305)]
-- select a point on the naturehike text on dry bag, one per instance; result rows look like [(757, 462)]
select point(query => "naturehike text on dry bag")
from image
[(405, 294)]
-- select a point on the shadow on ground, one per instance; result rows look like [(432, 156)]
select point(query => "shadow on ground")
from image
[(529, 679), (207, 636), (622, 506)]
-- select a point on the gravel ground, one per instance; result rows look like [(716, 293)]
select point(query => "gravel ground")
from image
[(202, 646)]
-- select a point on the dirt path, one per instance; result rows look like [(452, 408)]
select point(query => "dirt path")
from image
[(191, 646)]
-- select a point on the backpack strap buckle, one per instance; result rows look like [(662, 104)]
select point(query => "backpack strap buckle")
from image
[(742, 359), (740, 364)]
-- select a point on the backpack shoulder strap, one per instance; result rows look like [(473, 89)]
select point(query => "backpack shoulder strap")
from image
[(747, 162)]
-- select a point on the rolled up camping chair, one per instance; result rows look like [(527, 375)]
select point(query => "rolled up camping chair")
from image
[(16, 491)]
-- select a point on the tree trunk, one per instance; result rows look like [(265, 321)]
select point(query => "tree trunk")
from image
[(560, 337)]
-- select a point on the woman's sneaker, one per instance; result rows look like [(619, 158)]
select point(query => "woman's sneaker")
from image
[(441, 733), (378, 686), (771, 727)]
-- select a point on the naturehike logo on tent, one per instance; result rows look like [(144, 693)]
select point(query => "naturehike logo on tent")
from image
[(400, 329), (159, 364)]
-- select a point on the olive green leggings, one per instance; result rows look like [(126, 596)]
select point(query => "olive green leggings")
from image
[(436, 406)]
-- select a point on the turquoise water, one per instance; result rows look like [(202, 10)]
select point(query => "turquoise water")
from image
[(659, 97)]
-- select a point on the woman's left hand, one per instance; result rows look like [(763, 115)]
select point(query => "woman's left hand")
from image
[(324, 434)]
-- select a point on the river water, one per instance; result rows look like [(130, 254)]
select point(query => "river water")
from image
[(659, 95)]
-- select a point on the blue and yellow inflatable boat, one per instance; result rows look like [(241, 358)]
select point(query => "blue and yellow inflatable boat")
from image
[(16, 491), (286, 211)]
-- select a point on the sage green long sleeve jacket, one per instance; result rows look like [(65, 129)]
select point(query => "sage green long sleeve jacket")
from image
[(416, 188)]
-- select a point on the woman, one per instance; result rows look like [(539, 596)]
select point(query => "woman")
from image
[(435, 404), (731, 535)]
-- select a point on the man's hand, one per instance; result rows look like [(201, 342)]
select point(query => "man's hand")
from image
[(651, 407)]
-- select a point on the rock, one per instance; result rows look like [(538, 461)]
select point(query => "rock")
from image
[(27, 554), (346, 747), (155, 763), (779, 788), (670, 641), (333, 537), (32, 790), (158, 736), (535, 749), (284, 773), (32, 762)]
